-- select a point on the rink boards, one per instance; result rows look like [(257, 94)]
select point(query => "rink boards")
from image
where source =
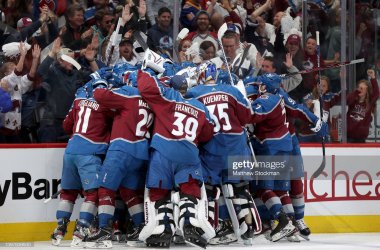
[(344, 199)]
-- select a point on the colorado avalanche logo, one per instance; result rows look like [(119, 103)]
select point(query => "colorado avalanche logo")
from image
[(308, 64), (356, 117), (166, 42), (16, 88)]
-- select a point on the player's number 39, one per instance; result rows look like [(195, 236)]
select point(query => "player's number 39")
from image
[(190, 127)]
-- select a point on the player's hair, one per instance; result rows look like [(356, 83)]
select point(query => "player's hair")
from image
[(230, 36), (4, 68), (332, 16), (100, 14), (163, 10), (71, 11), (315, 92), (368, 96)]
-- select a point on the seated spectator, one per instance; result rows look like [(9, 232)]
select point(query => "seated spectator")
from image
[(20, 9), (89, 14), (361, 103), (209, 49), (17, 85), (255, 29), (76, 33), (161, 32), (190, 11), (202, 21), (230, 45), (63, 81)]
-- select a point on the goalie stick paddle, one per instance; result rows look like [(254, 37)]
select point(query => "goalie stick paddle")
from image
[(221, 32), (53, 196), (243, 57), (323, 164), (323, 68), (181, 35), (140, 40)]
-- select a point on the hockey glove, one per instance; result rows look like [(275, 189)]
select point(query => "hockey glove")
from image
[(321, 128), (103, 73)]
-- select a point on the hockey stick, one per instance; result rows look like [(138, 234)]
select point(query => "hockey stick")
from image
[(323, 68), (323, 164), (181, 35), (136, 34), (53, 196), (221, 32), (113, 42), (243, 57)]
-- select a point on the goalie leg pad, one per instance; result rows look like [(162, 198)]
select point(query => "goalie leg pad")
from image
[(195, 211), (158, 216)]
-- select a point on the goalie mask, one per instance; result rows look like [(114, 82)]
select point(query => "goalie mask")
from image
[(206, 72)]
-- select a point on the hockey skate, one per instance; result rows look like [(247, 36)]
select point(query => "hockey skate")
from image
[(60, 232), (100, 239), (294, 237), (160, 240), (224, 233), (178, 238), (303, 229), (267, 228), (80, 232), (284, 228), (116, 233), (193, 236), (94, 228), (132, 238)]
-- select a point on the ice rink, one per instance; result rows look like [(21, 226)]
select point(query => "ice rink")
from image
[(318, 241)]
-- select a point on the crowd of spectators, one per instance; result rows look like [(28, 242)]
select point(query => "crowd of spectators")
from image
[(38, 38)]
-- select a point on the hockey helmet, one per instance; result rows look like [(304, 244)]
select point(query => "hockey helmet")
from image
[(206, 72), (272, 82)]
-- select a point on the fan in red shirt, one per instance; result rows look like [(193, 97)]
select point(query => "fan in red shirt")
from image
[(361, 103)]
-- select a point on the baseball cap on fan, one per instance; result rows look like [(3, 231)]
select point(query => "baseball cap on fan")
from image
[(294, 38), (24, 22), (233, 28)]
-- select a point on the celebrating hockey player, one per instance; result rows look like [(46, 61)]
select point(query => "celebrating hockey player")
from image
[(127, 155), (180, 125), (230, 112), (90, 125)]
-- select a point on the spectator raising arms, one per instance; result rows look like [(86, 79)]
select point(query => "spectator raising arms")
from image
[(361, 103), (17, 85), (76, 35), (63, 81)]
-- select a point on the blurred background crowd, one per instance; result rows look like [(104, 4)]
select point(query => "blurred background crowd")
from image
[(42, 85)]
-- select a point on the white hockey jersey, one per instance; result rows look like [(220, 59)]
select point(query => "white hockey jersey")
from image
[(17, 85)]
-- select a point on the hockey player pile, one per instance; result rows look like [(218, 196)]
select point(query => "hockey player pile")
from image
[(167, 131)]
